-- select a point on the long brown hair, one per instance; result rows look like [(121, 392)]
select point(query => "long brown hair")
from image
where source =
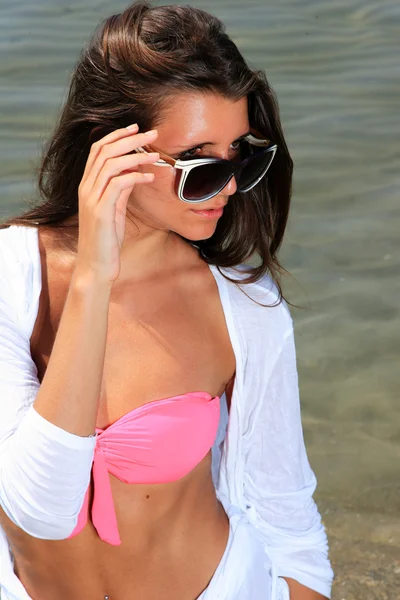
[(133, 62)]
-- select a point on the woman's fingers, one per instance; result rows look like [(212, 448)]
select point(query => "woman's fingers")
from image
[(107, 139), (117, 166), (118, 147), (104, 209)]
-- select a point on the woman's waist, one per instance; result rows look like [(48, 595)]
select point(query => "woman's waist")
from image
[(180, 557), (169, 524)]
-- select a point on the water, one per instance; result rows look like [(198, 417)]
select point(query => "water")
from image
[(335, 67)]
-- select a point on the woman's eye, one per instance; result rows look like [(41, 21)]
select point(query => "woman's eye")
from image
[(193, 152), (190, 153), (236, 148)]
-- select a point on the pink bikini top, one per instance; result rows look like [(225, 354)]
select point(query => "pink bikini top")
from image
[(159, 442)]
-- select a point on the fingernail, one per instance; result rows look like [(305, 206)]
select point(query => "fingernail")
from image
[(148, 176), (153, 131), (134, 126)]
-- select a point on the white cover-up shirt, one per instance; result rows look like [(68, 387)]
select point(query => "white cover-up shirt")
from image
[(259, 458)]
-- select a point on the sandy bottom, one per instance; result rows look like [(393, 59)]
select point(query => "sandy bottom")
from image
[(365, 554)]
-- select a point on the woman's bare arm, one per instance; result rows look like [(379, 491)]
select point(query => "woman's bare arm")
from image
[(69, 394)]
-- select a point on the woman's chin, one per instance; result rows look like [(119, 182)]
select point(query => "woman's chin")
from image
[(197, 234)]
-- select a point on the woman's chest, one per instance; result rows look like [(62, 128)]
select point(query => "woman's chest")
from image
[(163, 339)]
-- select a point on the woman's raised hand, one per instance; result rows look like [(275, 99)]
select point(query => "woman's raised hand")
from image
[(109, 178)]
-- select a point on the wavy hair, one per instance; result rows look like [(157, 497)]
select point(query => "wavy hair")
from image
[(132, 64)]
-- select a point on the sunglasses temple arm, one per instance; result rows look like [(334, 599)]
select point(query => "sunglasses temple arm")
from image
[(255, 141), (165, 160)]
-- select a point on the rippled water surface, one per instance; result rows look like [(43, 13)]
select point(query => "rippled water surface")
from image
[(336, 69)]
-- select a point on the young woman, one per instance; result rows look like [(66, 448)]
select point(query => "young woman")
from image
[(150, 433)]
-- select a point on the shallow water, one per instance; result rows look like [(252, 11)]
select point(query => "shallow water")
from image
[(335, 67)]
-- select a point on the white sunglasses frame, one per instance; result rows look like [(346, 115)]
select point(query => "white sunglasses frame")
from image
[(188, 165)]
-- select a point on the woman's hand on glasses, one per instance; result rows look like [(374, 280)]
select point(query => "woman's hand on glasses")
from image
[(110, 175)]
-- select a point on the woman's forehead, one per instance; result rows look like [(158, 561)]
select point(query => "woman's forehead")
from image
[(190, 119)]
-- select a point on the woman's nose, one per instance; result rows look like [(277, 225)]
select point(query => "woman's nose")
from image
[(230, 188)]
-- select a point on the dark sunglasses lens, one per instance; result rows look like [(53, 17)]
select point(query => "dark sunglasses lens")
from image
[(253, 170), (205, 180)]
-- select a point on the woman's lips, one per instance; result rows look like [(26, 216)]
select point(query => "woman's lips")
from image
[(211, 213)]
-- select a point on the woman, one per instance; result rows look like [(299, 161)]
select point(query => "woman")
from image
[(150, 438)]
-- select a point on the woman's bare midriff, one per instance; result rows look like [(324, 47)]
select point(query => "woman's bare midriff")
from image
[(173, 535)]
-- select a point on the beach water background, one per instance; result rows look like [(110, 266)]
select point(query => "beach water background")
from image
[(335, 67)]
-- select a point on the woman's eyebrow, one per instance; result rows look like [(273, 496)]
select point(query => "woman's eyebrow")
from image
[(201, 144)]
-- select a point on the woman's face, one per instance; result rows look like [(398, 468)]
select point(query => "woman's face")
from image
[(192, 125)]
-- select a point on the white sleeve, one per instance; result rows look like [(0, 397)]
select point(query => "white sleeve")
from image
[(279, 483), (44, 470)]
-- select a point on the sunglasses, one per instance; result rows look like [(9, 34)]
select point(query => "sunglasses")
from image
[(203, 178)]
